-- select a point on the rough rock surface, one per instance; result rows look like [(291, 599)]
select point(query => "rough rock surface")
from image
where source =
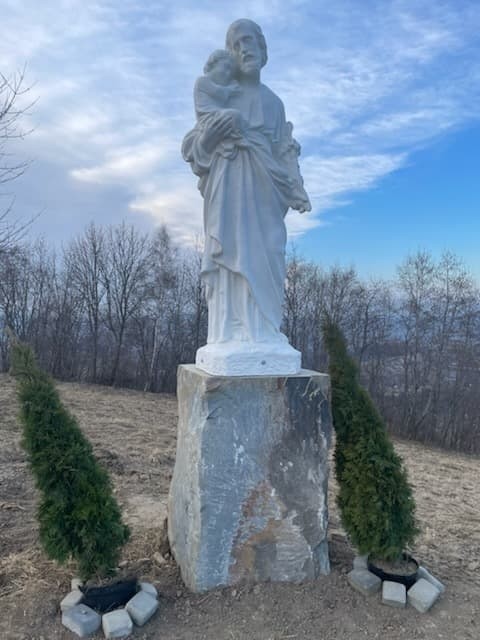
[(248, 499)]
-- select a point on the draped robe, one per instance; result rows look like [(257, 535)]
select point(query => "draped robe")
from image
[(247, 191)]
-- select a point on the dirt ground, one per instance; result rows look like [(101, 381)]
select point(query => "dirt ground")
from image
[(134, 436)]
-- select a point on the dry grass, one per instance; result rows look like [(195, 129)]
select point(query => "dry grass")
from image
[(134, 435)]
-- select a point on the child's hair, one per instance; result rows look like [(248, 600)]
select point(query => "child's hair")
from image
[(214, 57)]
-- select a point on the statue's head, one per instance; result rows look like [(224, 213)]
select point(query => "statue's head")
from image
[(246, 42), (220, 66)]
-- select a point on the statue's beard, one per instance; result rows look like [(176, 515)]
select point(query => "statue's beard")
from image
[(250, 67)]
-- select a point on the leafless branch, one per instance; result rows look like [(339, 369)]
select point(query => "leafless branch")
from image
[(13, 108)]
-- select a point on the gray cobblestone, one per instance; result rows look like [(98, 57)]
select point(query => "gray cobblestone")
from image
[(364, 581), (422, 595), (424, 573), (81, 620), (117, 624), (149, 588), (394, 594), (360, 562), (141, 607), (73, 598)]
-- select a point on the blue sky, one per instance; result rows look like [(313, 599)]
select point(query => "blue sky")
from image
[(384, 97)]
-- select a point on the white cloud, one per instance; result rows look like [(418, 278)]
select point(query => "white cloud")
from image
[(125, 163), (329, 178), (178, 205), (329, 181), (364, 83)]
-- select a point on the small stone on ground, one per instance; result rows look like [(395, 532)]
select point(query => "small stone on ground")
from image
[(73, 598), (423, 573), (422, 595), (81, 620), (364, 581), (76, 583), (159, 559), (117, 624), (394, 594), (141, 607)]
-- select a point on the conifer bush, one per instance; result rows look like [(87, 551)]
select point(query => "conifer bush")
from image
[(375, 499), (78, 515)]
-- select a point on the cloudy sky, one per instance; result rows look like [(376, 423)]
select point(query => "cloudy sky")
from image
[(384, 96)]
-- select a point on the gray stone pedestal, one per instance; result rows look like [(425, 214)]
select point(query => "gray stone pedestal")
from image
[(248, 499)]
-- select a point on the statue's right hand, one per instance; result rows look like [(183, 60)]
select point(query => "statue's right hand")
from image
[(219, 128)]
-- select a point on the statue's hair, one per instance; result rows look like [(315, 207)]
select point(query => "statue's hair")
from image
[(214, 57), (256, 30)]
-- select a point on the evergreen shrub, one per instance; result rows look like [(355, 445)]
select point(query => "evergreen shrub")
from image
[(375, 499), (79, 517)]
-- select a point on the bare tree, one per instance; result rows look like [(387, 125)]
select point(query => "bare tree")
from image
[(125, 308), (416, 280), (12, 108), (151, 326), (123, 273), (304, 307), (375, 333), (26, 274), (196, 302), (84, 259)]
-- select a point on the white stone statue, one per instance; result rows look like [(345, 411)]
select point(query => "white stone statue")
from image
[(246, 159)]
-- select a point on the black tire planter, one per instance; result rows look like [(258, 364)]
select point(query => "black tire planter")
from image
[(109, 597), (408, 579)]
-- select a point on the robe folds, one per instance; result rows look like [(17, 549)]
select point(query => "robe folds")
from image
[(246, 188)]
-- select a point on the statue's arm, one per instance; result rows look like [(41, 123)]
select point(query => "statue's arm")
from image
[(219, 127), (199, 144), (289, 151), (203, 97)]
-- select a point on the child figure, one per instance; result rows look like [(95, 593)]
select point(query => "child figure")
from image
[(213, 90)]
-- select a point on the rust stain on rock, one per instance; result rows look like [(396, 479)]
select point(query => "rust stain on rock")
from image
[(254, 546)]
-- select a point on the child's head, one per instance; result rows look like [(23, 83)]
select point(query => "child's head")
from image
[(220, 67)]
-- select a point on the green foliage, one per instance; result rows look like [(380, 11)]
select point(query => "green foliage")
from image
[(78, 515), (375, 499)]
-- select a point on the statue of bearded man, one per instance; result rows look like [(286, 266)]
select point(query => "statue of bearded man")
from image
[(246, 161)]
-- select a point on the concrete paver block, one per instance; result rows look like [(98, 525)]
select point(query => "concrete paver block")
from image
[(141, 607), (424, 573), (149, 588), (360, 562), (364, 581), (76, 583), (73, 598), (394, 594), (117, 624), (422, 595), (81, 620)]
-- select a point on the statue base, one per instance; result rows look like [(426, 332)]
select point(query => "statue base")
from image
[(249, 359), (248, 498)]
